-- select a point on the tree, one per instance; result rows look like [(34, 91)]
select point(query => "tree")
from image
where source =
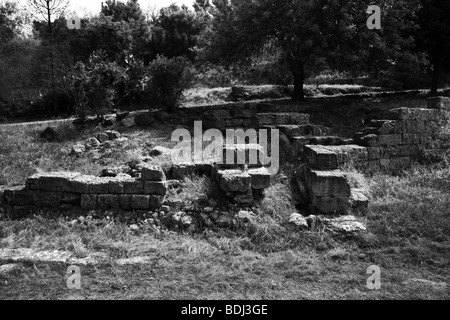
[(434, 37), (48, 10), (312, 34), (7, 22), (174, 33)]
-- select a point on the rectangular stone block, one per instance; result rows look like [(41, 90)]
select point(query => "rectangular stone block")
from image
[(373, 165), (385, 164), (155, 187), (133, 187), (320, 157), (140, 202), (328, 205), (328, 183), (152, 173), (117, 184), (56, 181), (108, 201), (299, 118), (236, 155), (99, 186), (374, 153), (125, 202), (32, 183), (47, 199), (156, 202), (89, 201), (81, 184), (414, 126), (390, 139), (390, 127), (439, 103), (71, 198), (234, 180), (18, 196), (370, 140), (260, 178)]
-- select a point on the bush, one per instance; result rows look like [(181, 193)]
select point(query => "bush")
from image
[(168, 79), (94, 85)]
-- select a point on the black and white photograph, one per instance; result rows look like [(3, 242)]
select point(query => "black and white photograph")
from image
[(225, 158)]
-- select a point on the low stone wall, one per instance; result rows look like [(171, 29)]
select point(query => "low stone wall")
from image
[(71, 190)]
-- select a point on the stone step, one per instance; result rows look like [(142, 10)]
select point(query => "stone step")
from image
[(332, 157), (301, 141), (282, 118), (236, 156), (292, 130), (242, 181)]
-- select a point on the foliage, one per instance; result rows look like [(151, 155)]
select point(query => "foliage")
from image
[(169, 78), (94, 85)]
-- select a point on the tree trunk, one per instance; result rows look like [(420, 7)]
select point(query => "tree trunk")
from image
[(436, 76), (299, 80)]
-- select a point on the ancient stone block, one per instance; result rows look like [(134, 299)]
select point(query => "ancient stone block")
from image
[(260, 178), (32, 183), (155, 187), (47, 199), (390, 127), (400, 163), (89, 201), (56, 181), (125, 202), (234, 180), (390, 139), (373, 165), (99, 185), (325, 204), (328, 183), (411, 138), (358, 200), (370, 140), (117, 184), (156, 202), (81, 184), (133, 187), (18, 196), (71, 198), (140, 202), (108, 201), (374, 153), (236, 155), (320, 157), (299, 118), (152, 173), (439, 103)]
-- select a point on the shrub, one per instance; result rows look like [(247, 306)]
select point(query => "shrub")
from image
[(94, 85), (168, 79)]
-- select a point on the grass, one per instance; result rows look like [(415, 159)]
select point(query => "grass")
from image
[(408, 237)]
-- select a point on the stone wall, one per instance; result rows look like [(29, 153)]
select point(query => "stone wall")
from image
[(71, 190)]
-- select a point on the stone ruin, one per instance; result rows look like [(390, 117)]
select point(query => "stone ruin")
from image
[(387, 144)]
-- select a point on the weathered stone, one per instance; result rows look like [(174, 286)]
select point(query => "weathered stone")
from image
[(152, 173), (358, 200), (140, 202), (80, 184), (47, 199), (102, 137), (112, 134), (235, 155), (89, 201), (223, 221), (144, 119), (234, 180), (346, 224), (385, 164), (299, 118), (114, 171), (117, 184), (260, 178), (133, 187), (373, 165), (374, 153), (411, 138), (156, 202), (439, 103), (370, 140), (99, 185), (160, 151), (108, 201), (128, 122), (71, 198), (56, 181), (321, 158), (328, 183), (125, 202), (17, 196), (390, 139), (78, 150), (186, 221), (298, 220), (92, 143), (155, 187), (244, 216)]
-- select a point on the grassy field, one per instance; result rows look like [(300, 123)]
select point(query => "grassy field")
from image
[(408, 237)]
